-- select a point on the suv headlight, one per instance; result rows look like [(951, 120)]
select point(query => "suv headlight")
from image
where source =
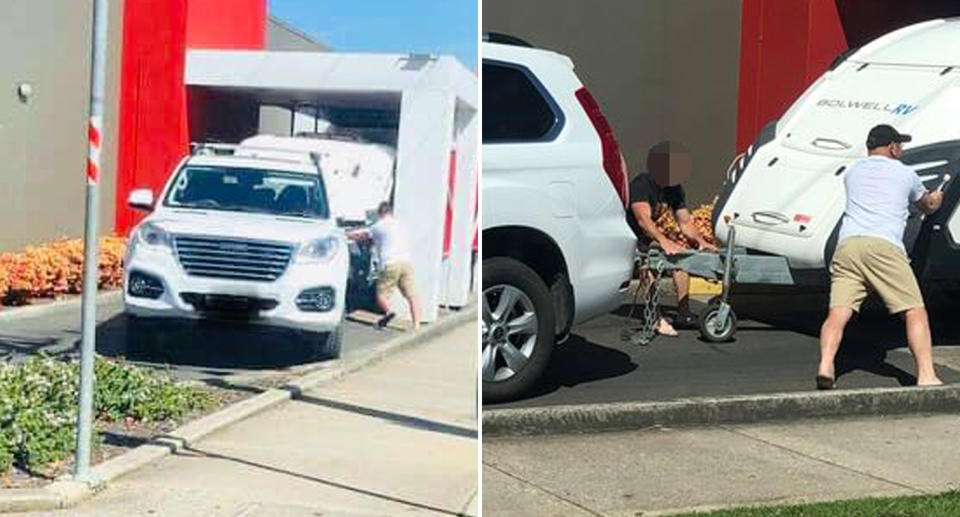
[(319, 250), (151, 235)]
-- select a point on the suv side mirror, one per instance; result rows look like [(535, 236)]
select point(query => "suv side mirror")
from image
[(141, 199), (341, 222)]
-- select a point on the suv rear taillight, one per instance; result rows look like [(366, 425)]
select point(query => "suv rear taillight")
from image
[(612, 162)]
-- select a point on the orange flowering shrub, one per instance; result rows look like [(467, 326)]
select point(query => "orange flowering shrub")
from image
[(4, 279), (701, 219), (72, 252), (55, 269), (112, 250)]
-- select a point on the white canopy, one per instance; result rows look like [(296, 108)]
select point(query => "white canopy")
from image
[(435, 98)]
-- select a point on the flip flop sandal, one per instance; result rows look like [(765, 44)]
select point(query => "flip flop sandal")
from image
[(826, 383), (384, 321)]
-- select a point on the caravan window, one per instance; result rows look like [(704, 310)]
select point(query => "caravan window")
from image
[(516, 108)]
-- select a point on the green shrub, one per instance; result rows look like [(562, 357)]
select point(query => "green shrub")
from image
[(127, 391), (38, 411), (38, 405)]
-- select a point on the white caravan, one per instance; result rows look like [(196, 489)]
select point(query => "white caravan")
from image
[(358, 175), (785, 194)]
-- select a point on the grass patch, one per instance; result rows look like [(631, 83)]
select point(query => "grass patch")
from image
[(38, 405), (941, 505)]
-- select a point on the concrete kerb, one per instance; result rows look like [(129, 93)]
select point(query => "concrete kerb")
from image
[(472, 506), (719, 410), (65, 492)]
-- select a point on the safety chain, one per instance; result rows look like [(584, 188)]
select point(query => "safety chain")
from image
[(654, 263)]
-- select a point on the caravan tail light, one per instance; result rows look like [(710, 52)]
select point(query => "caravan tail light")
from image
[(612, 162)]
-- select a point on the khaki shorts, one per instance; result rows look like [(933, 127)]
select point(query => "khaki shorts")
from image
[(862, 264), (394, 276)]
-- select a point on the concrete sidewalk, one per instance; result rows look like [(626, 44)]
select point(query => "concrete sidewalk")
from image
[(659, 471), (396, 438)]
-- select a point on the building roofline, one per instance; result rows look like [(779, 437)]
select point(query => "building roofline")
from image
[(295, 31)]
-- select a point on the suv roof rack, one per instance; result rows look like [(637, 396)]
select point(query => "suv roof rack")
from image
[(505, 39)]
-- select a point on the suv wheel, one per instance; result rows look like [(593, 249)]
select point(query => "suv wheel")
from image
[(518, 328), (329, 344)]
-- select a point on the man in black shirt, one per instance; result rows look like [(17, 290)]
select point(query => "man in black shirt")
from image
[(651, 193)]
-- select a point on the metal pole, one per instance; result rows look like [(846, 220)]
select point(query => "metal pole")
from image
[(90, 253)]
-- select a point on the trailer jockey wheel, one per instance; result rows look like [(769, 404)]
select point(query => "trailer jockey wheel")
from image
[(718, 323)]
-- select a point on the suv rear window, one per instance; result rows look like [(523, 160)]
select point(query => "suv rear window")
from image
[(515, 106)]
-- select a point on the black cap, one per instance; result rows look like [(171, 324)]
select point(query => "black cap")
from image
[(885, 135)]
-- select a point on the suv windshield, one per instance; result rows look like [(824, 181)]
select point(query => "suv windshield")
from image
[(248, 190)]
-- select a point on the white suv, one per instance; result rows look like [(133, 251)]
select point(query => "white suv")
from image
[(556, 246), (240, 237)]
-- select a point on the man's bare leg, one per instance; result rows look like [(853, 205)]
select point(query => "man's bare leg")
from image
[(664, 328), (681, 280), (414, 302), (831, 333), (920, 343), (383, 303)]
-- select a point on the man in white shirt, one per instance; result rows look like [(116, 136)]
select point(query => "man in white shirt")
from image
[(390, 238), (871, 255)]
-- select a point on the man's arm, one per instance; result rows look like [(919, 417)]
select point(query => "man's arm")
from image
[(930, 202), (926, 201), (689, 229), (643, 213), (359, 235)]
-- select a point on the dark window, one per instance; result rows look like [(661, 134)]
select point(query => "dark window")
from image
[(514, 107), (240, 189)]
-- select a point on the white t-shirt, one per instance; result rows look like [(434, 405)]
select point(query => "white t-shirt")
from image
[(880, 191), (390, 238)]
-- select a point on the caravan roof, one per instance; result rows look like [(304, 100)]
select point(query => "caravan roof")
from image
[(786, 194), (930, 43)]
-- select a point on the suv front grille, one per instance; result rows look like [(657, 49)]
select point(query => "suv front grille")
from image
[(238, 259)]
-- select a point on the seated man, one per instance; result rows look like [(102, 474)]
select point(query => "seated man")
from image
[(668, 165)]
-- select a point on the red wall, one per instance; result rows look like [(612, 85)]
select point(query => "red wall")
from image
[(152, 127), (154, 132), (784, 46), (237, 24)]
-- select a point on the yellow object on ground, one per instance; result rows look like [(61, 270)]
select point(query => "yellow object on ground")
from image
[(699, 286)]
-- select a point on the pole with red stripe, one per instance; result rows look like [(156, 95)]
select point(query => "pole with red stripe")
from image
[(93, 155), (90, 253)]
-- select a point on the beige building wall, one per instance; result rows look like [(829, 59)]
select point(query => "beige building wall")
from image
[(283, 36), (43, 138), (661, 70)]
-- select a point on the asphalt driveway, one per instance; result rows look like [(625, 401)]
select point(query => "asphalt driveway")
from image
[(188, 350), (775, 350)]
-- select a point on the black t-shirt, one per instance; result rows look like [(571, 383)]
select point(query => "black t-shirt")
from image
[(644, 189)]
